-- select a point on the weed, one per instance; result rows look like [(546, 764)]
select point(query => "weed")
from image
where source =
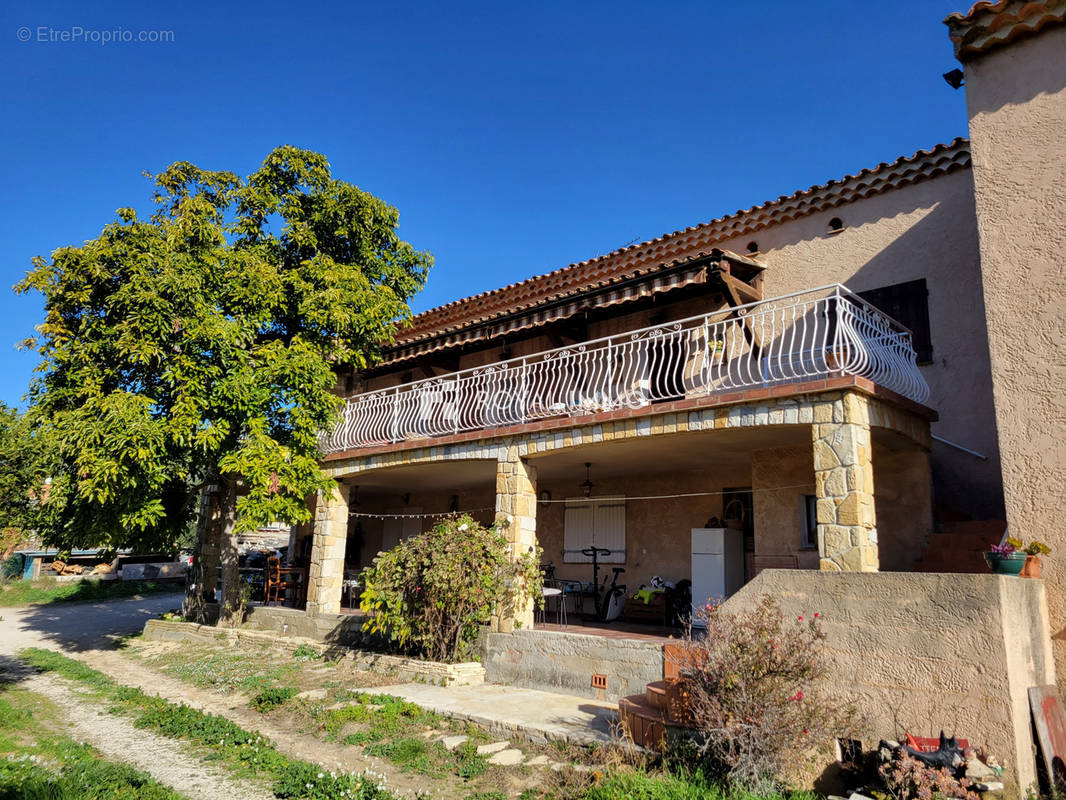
[(306, 652), (469, 762), (269, 699)]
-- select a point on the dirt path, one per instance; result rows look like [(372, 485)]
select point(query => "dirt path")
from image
[(234, 707), (163, 759), (86, 631)]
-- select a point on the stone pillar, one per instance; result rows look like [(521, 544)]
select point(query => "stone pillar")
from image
[(327, 551), (844, 485), (516, 506)]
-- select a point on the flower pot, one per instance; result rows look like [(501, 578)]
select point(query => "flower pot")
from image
[(1005, 565), (1032, 567)]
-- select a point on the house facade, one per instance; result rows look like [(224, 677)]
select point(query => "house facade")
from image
[(748, 359), (823, 360), (865, 377)]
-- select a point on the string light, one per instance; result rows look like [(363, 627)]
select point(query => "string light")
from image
[(627, 498)]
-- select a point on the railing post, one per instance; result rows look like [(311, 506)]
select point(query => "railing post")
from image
[(394, 427), (524, 391)]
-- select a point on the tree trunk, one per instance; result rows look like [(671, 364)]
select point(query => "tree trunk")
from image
[(203, 577), (192, 607), (230, 609)]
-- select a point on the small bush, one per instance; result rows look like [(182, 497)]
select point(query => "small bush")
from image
[(269, 699), (752, 688), (306, 652), (431, 594)]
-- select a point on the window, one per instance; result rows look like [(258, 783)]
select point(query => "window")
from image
[(810, 522), (595, 522), (909, 304)]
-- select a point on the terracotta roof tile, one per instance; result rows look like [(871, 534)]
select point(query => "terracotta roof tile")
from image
[(992, 23), (664, 250)]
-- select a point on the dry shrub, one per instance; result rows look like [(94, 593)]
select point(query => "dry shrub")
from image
[(753, 683)]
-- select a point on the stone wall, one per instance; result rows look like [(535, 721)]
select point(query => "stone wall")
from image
[(566, 662), (920, 652)]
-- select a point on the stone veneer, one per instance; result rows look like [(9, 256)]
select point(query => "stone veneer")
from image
[(844, 486), (516, 508), (327, 551)]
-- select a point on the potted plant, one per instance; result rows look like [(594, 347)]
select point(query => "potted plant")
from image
[(1007, 558), (1033, 564)]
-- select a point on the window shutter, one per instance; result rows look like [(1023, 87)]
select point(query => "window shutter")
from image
[(578, 531), (599, 522), (908, 303), (610, 528)]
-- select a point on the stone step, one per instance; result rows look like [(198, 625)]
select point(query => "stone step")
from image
[(655, 694)]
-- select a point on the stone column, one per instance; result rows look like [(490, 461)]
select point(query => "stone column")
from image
[(516, 506), (327, 551), (844, 485)]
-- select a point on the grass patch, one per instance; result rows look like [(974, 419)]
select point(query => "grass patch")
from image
[(38, 765), (230, 670), (26, 593), (245, 752)]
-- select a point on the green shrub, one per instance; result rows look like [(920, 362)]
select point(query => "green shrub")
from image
[(269, 699), (431, 594), (306, 652)]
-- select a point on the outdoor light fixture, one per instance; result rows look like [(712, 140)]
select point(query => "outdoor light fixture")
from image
[(588, 485), (954, 78)]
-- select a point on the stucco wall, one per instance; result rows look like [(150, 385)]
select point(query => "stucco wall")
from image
[(1016, 98), (658, 532), (784, 476), (921, 652), (925, 230), (904, 505)]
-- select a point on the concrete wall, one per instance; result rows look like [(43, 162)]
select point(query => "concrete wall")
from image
[(921, 652), (566, 662), (1016, 98)]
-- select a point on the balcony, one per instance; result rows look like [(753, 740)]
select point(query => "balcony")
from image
[(818, 333)]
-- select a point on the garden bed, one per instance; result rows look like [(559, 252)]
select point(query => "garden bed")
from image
[(468, 673)]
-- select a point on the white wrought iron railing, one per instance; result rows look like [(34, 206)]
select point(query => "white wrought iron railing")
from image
[(817, 333)]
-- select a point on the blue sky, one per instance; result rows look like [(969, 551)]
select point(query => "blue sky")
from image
[(514, 138)]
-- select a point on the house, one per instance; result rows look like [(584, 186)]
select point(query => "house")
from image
[(867, 374)]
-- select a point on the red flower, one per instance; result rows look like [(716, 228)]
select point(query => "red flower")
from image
[(816, 615), (801, 619), (799, 695)]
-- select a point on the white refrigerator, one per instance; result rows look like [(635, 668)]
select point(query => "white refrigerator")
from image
[(717, 564)]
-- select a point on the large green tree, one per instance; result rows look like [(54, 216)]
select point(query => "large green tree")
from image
[(24, 473), (200, 347)]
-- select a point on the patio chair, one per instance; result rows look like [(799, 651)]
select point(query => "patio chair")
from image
[(274, 590)]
